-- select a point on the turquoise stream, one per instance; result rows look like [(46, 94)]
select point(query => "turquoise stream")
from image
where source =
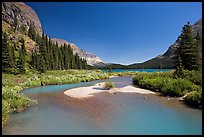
[(118, 114)]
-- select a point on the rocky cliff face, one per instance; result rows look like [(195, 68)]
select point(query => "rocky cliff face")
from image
[(92, 59), (22, 13)]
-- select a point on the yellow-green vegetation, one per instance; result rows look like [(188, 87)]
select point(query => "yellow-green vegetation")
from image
[(169, 84), (128, 73), (109, 85), (14, 101)]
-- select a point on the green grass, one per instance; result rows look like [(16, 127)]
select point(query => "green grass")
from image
[(13, 101)]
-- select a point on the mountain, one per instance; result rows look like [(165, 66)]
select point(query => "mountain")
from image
[(166, 60), (91, 59), (22, 14), (16, 20)]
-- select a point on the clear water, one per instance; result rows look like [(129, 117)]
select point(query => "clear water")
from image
[(137, 70), (117, 114)]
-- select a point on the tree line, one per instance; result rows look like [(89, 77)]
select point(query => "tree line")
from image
[(188, 55), (46, 55)]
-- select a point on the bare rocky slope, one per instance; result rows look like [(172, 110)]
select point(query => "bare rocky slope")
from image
[(22, 13)]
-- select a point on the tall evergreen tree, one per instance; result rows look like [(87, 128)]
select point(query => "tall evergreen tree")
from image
[(186, 48), (22, 56), (62, 57), (12, 56), (42, 66), (77, 61), (198, 51), (66, 58), (34, 60), (80, 63), (5, 53), (15, 24), (42, 51), (85, 64), (179, 68), (55, 56), (31, 32)]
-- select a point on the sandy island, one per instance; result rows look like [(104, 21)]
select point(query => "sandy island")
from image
[(85, 92)]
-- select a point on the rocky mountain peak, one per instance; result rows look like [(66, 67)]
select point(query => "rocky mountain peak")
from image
[(22, 14)]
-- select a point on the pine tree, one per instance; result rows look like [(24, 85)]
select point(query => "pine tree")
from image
[(55, 56), (5, 53), (179, 68), (62, 57), (15, 24), (84, 63), (42, 51), (199, 51), (21, 59), (42, 66), (38, 39), (80, 63), (12, 56), (76, 59), (47, 53), (34, 61), (66, 59), (186, 49), (31, 32)]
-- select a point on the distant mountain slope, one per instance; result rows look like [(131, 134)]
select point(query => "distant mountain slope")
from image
[(92, 59), (166, 60)]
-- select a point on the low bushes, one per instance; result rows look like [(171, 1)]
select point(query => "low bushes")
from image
[(5, 111), (193, 76), (194, 99), (168, 84)]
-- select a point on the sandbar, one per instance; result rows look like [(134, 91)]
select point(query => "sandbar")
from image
[(90, 91)]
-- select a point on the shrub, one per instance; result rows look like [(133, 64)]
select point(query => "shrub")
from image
[(194, 98), (193, 76), (5, 111), (165, 83), (109, 85)]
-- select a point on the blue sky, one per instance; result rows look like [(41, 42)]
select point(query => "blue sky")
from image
[(118, 32)]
